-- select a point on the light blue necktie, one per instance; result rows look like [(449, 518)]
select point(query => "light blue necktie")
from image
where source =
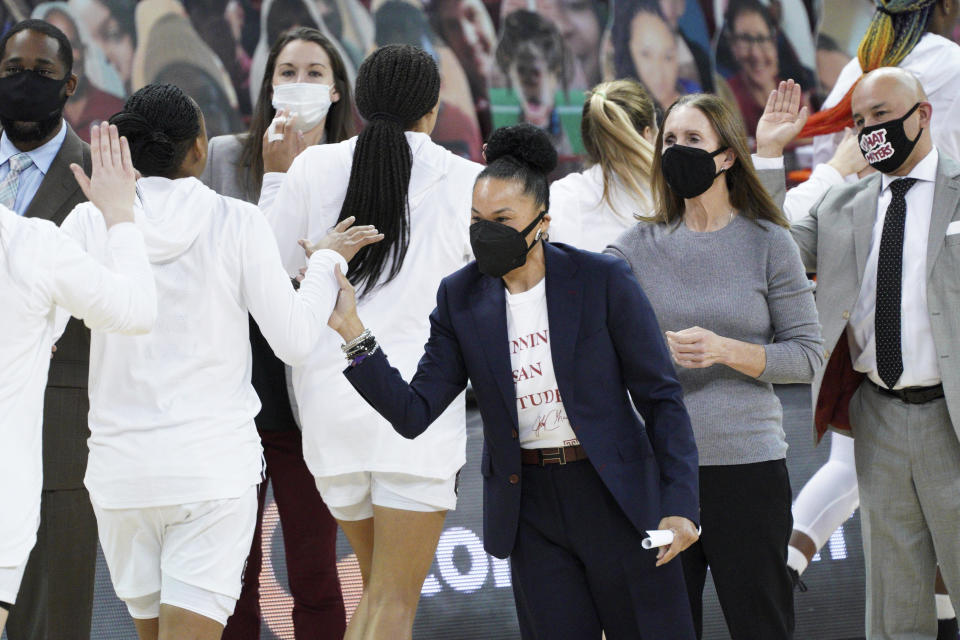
[(8, 187)]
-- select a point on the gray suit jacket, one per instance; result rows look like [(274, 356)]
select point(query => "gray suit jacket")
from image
[(222, 173), (834, 241), (66, 404)]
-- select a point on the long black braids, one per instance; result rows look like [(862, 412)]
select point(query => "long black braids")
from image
[(161, 123), (396, 86)]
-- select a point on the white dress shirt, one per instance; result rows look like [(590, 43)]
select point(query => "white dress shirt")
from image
[(920, 368)]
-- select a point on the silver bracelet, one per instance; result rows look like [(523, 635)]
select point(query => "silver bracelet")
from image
[(353, 343)]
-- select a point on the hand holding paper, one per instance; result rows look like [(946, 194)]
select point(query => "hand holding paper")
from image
[(673, 535)]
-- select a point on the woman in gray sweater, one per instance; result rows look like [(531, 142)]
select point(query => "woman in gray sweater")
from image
[(305, 82), (728, 288)]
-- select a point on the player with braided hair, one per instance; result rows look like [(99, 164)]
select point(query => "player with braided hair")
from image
[(390, 495), (913, 35), (174, 454)]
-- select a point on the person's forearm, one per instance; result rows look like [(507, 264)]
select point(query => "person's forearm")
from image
[(350, 328), (745, 357)]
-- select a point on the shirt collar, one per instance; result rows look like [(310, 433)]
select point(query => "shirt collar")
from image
[(42, 156), (925, 170)]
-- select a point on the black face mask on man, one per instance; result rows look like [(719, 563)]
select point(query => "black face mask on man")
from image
[(885, 146), (689, 171), (29, 97), (500, 249)]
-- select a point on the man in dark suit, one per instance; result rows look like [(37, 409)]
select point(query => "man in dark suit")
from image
[(36, 149)]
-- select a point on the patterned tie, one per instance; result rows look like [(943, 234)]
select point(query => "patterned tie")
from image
[(889, 285), (8, 187)]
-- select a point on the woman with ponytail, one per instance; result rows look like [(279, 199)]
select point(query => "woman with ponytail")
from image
[(913, 35), (175, 459), (591, 209), (390, 495), (563, 351)]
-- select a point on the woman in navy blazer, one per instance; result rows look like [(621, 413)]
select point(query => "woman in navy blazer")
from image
[(571, 517)]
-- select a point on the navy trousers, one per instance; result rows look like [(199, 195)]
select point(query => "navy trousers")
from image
[(579, 568)]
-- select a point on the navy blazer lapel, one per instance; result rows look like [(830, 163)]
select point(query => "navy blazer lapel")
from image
[(564, 301), (489, 307)]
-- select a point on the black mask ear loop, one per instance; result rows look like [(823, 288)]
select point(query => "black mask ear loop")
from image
[(714, 155), (904, 119), (530, 227)]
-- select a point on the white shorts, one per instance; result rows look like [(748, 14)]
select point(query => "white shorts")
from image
[(10, 578), (351, 496), (189, 556)]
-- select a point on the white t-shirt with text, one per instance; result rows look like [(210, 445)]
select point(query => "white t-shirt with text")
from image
[(542, 419)]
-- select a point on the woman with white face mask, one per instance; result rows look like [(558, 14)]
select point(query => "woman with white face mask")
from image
[(304, 100)]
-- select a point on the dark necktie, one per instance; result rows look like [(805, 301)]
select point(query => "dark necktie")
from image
[(889, 285)]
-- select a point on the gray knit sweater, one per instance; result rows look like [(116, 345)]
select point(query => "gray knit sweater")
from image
[(746, 282)]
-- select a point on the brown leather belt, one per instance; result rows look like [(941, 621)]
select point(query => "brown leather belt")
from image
[(911, 395), (556, 455)]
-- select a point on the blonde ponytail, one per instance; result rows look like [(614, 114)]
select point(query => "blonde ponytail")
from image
[(615, 115)]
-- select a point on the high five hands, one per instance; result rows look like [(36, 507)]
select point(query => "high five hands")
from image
[(113, 184), (782, 119)]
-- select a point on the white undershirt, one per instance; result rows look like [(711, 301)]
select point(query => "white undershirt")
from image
[(542, 419), (920, 368)]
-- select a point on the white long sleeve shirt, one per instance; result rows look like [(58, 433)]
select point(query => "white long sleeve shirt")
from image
[(935, 61), (580, 216), (171, 413), (341, 432), (40, 268)]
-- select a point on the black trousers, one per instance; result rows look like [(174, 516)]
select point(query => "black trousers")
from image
[(746, 520), (578, 566), (55, 601)]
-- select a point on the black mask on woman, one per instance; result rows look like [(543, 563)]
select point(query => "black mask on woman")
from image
[(500, 249), (885, 146), (689, 171), (28, 96)]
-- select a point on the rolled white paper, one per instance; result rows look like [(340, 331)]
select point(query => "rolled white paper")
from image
[(658, 538)]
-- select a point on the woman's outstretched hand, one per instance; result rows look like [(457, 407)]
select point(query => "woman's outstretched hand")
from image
[(344, 239), (344, 319), (782, 120)]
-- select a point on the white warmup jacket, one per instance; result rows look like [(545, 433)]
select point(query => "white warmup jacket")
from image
[(171, 413), (341, 432), (40, 268), (579, 215), (935, 61)]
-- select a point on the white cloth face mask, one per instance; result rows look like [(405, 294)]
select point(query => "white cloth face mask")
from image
[(310, 102)]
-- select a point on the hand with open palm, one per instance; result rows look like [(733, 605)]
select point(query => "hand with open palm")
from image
[(782, 120)]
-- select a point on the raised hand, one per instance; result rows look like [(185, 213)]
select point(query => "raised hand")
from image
[(848, 159), (281, 143), (345, 239), (112, 186), (781, 121)]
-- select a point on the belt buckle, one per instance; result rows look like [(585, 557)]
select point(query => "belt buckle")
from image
[(555, 455)]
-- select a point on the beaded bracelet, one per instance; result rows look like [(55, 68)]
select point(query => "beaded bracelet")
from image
[(367, 345), (353, 343), (363, 356)]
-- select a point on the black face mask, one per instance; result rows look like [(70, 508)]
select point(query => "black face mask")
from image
[(688, 170), (31, 106), (500, 249), (885, 146)]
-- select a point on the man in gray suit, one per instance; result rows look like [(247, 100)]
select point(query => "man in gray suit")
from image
[(886, 251), (36, 79)]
